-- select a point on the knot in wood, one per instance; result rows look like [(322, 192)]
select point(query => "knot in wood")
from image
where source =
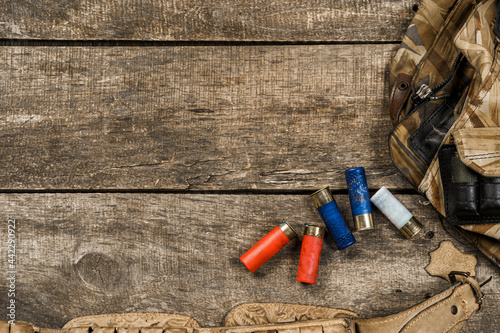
[(100, 271)]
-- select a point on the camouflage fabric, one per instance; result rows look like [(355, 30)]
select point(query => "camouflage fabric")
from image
[(444, 33)]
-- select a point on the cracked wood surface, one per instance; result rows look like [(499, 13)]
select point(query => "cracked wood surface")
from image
[(206, 118), (198, 20), (89, 254)]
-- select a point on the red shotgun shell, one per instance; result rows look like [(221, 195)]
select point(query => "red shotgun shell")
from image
[(268, 246), (310, 253)]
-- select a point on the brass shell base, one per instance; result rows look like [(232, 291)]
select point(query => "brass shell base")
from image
[(363, 222), (287, 230), (411, 228), (322, 197), (313, 230)]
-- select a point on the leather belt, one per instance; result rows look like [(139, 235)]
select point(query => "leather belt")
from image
[(444, 312)]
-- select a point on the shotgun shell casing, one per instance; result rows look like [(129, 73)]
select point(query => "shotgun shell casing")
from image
[(330, 213), (396, 213), (268, 246), (359, 198), (310, 253)]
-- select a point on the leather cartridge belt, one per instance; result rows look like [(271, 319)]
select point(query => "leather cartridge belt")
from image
[(444, 312)]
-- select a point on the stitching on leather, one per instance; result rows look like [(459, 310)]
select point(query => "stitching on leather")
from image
[(295, 325), (426, 312), (121, 314), (461, 320), (467, 313), (464, 306), (423, 305)]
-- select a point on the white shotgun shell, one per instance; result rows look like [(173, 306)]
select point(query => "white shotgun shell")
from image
[(396, 212)]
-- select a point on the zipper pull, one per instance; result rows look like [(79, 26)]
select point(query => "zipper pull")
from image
[(421, 94), (424, 92)]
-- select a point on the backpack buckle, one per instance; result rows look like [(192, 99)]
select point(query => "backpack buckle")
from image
[(453, 275)]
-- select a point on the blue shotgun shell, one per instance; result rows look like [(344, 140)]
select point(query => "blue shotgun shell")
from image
[(330, 213), (359, 198)]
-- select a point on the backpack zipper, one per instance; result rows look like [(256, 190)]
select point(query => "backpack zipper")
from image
[(427, 93)]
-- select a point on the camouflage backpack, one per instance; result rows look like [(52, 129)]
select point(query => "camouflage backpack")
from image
[(445, 106)]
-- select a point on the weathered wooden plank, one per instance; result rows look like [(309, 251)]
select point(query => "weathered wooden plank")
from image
[(83, 254), (245, 117), (198, 20)]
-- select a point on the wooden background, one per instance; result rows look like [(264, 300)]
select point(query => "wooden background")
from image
[(146, 145)]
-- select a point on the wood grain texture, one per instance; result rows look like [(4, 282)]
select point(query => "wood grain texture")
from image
[(85, 254), (210, 118), (198, 20)]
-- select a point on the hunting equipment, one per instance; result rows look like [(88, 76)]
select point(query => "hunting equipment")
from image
[(444, 312), (268, 246), (331, 215), (310, 253), (445, 108), (394, 210), (359, 198)]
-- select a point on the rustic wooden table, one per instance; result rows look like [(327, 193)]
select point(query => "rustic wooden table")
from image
[(147, 144)]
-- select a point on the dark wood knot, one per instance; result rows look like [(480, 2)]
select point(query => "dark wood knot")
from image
[(101, 272)]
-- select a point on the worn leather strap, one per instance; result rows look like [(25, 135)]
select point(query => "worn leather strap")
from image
[(443, 313), (400, 93)]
